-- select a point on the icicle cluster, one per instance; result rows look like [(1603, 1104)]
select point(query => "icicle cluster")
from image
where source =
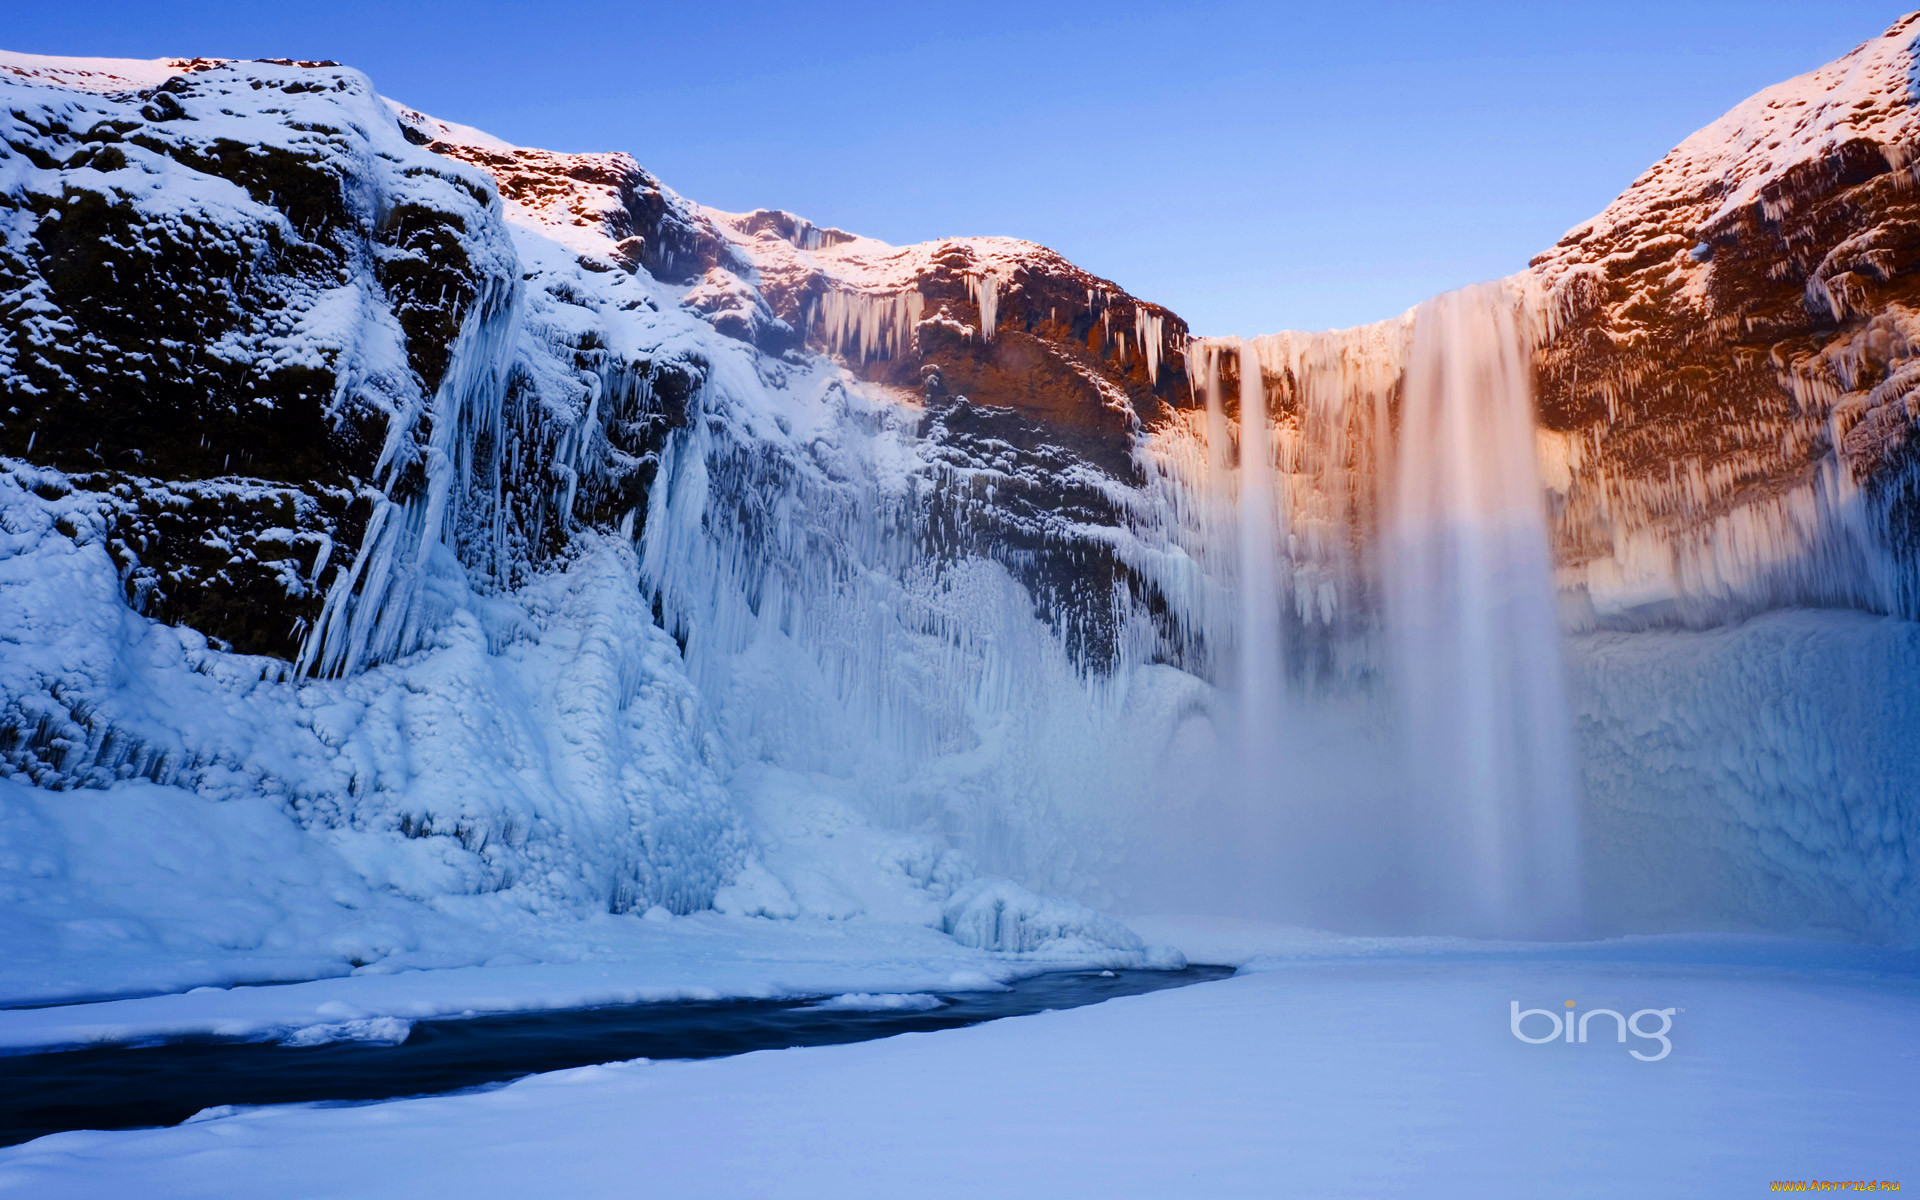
[(381, 606), (985, 290), (864, 326), (1149, 331)]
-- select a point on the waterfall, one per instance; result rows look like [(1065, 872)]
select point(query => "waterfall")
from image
[(1476, 649), (1392, 688), (1260, 673)]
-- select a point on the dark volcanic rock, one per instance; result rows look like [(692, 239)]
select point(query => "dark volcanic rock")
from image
[(196, 302)]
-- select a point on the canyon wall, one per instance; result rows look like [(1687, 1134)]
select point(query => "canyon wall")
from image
[(534, 533)]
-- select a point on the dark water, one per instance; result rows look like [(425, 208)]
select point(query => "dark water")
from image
[(130, 1087)]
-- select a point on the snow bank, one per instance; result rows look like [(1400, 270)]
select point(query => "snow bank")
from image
[(230, 814), (997, 915), (589, 963), (886, 1002)]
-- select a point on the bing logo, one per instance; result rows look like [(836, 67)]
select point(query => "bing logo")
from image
[(1567, 1029)]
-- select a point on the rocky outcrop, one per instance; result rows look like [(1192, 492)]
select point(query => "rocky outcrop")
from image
[(1019, 361), (280, 378), (606, 205), (228, 296), (1728, 366)]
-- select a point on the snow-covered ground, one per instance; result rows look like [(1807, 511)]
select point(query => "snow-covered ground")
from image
[(1345, 1068), (705, 956)]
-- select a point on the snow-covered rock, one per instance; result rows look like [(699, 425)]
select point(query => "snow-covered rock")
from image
[(1728, 370)]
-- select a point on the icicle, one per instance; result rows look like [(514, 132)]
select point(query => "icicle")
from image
[(377, 607), (865, 326), (1149, 331), (985, 289)]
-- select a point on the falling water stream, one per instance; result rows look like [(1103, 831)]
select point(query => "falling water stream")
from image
[(1484, 828), (1476, 648), (1261, 667)]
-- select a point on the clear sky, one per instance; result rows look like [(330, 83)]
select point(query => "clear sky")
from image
[(1253, 166)]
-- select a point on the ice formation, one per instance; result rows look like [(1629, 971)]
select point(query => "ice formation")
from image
[(985, 288), (1149, 329), (863, 326)]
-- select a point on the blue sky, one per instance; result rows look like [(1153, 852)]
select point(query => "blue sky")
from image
[(1253, 166)]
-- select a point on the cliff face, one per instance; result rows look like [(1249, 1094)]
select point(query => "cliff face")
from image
[(247, 310), (360, 407), (1009, 354), (241, 297), (263, 273), (182, 284), (1727, 367)]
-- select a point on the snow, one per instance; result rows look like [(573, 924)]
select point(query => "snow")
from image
[(104, 75), (384, 1031), (884, 1002), (1865, 94), (998, 915), (1757, 777), (706, 956), (1389, 1073), (453, 808), (757, 741), (825, 724), (861, 297), (496, 762), (752, 737)]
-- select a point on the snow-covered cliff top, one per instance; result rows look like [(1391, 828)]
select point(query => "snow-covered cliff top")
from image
[(1867, 94)]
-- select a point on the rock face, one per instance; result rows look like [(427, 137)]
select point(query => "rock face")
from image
[(1729, 358), (1019, 360), (282, 374), (1014, 356), (230, 324), (373, 414), (248, 310)]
